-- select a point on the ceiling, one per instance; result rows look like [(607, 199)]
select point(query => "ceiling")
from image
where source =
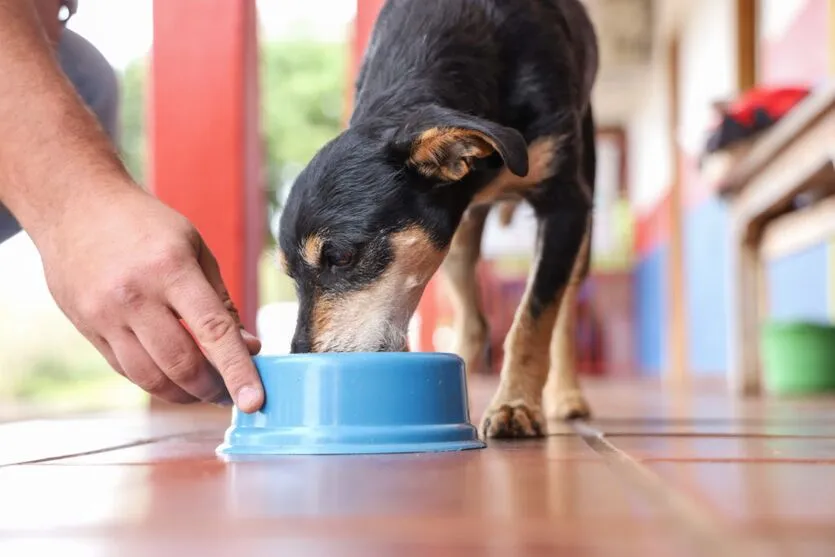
[(629, 33)]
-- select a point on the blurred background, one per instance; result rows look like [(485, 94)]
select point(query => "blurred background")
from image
[(660, 302)]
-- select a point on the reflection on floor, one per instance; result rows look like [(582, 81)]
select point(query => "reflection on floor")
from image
[(655, 473)]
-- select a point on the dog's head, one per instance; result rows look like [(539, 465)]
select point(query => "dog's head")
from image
[(369, 221)]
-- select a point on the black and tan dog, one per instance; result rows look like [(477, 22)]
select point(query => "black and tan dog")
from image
[(459, 104)]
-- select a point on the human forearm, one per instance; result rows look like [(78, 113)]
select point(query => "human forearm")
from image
[(127, 270), (53, 153)]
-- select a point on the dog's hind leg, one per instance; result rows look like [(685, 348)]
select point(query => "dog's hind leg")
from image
[(459, 268)]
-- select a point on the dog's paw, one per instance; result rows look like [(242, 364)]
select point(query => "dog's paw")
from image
[(567, 405), (514, 420)]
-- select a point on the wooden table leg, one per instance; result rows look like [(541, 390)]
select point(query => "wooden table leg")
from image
[(746, 290)]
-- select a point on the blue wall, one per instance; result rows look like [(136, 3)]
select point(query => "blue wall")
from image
[(706, 261), (651, 310), (797, 286), (797, 290)]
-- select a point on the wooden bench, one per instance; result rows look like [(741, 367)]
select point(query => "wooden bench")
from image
[(792, 158)]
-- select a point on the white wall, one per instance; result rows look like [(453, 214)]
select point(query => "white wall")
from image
[(650, 156), (707, 62), (776, 16), (708, 66)]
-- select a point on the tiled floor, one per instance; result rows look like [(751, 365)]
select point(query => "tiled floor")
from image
[(656, 473)]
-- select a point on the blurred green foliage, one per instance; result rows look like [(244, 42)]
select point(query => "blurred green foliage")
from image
[(134, 82), (65, 376), (303, 98)]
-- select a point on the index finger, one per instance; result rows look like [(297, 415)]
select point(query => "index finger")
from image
[(216, 331), (211, 270)]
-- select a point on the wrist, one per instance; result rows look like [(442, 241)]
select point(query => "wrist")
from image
[(63, 197), (78, 203)]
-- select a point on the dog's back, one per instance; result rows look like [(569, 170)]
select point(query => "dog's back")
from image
[(507, 60)]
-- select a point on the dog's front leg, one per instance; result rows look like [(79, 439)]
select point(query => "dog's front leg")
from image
[(515, 410), (563, 399)]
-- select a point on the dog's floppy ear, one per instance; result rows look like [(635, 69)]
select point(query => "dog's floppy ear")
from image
[(443, 144)]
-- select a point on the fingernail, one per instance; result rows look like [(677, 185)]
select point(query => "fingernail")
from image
[(249, 399)]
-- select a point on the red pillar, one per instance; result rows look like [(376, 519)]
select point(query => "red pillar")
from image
[(205, 143), (367, 11)]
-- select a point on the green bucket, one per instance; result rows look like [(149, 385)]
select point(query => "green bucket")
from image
[(798, 358)]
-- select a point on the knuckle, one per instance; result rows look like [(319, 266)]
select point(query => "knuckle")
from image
[(215, 327), (176, 272), (153, 383), (90, 309), (94, 309), (177, 396), (170, 259), (126, 293), (231, 308), (184, 366)]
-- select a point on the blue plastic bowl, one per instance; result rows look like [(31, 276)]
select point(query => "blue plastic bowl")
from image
[(356, 403)]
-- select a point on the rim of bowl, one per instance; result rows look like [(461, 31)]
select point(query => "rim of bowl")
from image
[(382, 356)]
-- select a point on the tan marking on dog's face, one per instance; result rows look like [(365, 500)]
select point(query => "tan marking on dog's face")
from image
[(377, 317), (448, 153), (312, 250), (543, 163)]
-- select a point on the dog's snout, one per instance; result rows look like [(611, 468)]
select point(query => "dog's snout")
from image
[(300, 345)]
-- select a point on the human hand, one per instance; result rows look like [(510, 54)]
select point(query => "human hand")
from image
[(126, 270)]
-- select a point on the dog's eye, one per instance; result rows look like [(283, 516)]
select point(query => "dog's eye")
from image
[(338, 258)]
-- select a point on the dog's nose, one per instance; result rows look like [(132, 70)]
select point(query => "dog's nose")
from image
[(300, 345)]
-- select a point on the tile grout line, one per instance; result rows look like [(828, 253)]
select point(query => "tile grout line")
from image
[(109, 448), (707, 532)]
